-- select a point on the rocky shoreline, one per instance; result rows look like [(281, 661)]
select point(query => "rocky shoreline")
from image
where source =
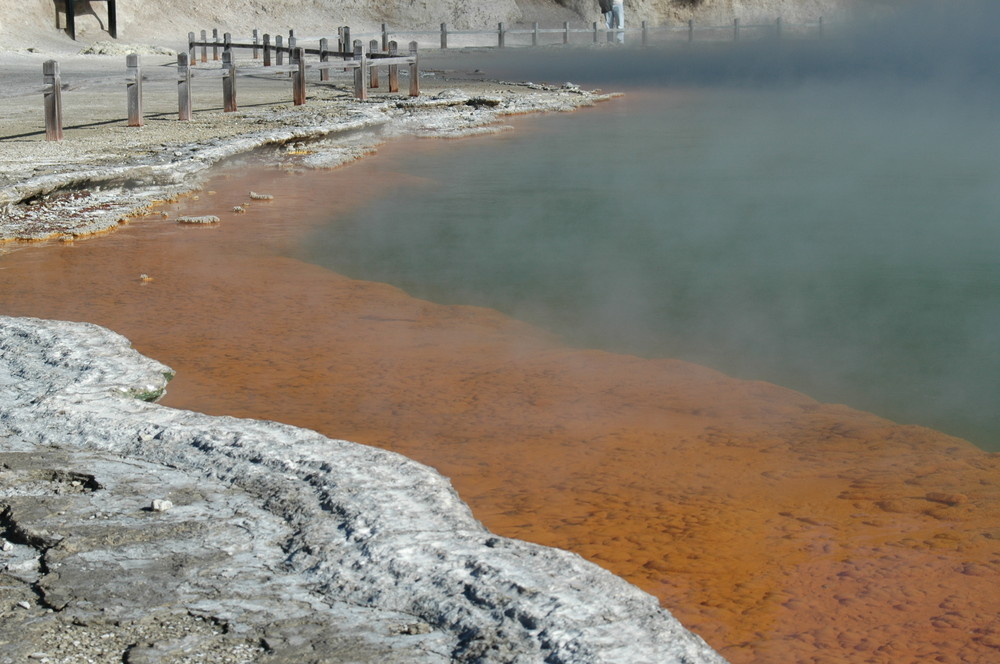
[(277, 544)]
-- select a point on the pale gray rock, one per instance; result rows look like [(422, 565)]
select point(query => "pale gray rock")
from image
[(304, 547), (160, 505)]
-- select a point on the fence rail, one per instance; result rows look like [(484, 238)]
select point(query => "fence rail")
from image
[(596, 31), (499, 37), (364, 65)]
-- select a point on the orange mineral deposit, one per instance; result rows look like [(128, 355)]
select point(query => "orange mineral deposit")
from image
[(778, 528)]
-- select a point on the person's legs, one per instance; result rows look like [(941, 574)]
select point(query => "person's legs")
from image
[(618, 14)]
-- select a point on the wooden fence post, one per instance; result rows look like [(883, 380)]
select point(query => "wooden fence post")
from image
[(777, 28), (133, 85), (500, 35), (53, 101), (267, 50), (204, 47), (444, 35), (736, 29), (645, 34), (278, 50), (228, 82), (596, 32), (227, 43), (534, 33), (347, 47), (565, 32), (256, 44), (299, 80), (393, 69), (360, 89), (291, 47), (373, 68), (183, 87), (690, 30), (414, 71), (324, 56), (191, 51), (385, 37), (215, 44)]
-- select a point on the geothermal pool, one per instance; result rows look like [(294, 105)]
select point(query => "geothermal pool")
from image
[(838, 239), (823, 236)]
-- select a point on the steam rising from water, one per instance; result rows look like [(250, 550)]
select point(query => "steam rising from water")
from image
[(823, 215), (951, 45)]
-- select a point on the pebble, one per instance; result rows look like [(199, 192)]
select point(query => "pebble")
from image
[(950, 499), (159, 505)]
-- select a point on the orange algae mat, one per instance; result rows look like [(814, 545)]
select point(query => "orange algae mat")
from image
[(778, 528)]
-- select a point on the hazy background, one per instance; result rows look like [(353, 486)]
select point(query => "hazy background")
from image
[(823, 215)]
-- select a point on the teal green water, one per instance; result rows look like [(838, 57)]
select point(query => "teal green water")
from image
[(838, 238)]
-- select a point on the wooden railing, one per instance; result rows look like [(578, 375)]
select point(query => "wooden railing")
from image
[(365, 64), (597, 32), (365, 67), (504, 36)]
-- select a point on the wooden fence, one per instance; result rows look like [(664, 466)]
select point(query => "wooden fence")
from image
[(364, 63), (365, 66), (505, 36), (597, 32)]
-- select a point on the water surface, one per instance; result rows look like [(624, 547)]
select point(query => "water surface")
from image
[(833, 234)]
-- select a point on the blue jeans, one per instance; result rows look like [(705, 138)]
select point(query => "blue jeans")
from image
[(616, 20)]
